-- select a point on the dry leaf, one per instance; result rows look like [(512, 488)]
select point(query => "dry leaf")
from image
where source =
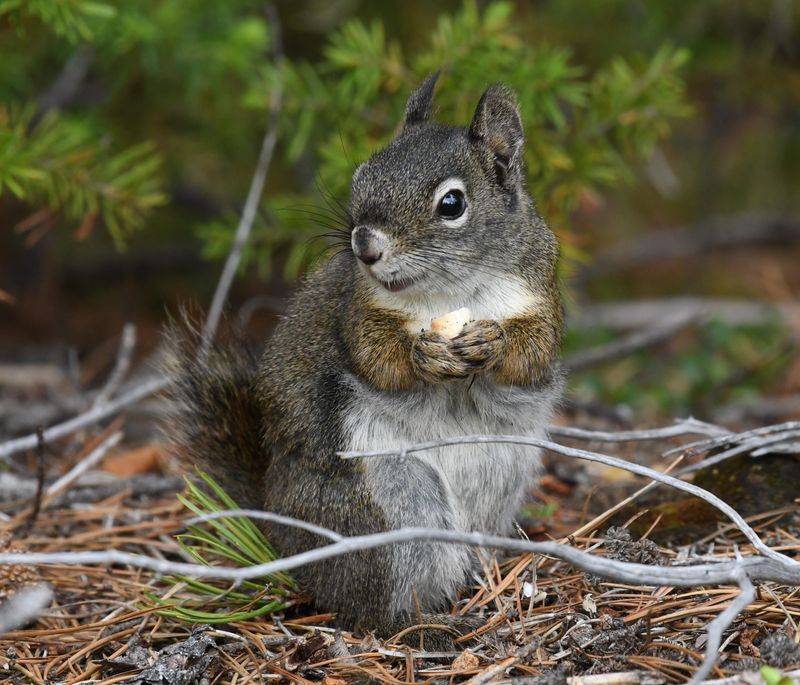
[(146, 459)]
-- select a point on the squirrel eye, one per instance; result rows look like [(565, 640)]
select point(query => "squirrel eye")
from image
[(452, 204)]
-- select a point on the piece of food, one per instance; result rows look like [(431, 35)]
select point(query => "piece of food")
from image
[(450, 325)]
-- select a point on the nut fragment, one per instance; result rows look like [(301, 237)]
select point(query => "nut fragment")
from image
[(450, 325)]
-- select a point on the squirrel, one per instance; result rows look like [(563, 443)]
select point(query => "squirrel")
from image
[(440, 220)]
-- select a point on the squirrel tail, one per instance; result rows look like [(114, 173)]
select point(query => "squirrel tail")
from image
[(215, 421)]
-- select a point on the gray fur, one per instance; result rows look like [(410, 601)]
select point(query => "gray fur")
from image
[(420, 102), (340, 370)]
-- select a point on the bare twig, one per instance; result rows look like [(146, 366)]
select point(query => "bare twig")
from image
[(84, 465), (121, 365), (695, 448), (88, 418), (638, 469), (650, 313), (37, 495), (688, 426), (758, 447), (721, 623), (253, 197), (756, 568), (63, 89), (759, 409), (719, 232), (783, 448), (630, 343)]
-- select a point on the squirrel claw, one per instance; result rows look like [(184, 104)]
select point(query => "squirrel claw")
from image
[(433, 361), (480, 344)]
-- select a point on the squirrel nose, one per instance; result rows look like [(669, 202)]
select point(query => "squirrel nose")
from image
[(366, 245)]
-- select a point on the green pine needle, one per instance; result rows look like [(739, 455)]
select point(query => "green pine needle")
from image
[(215, 543)]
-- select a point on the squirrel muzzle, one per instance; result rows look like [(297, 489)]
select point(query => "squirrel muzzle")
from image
[(369, 244)]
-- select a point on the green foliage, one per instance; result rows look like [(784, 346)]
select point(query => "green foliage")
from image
[(715, 364), (583, 131), (772, 676), (60, 165), (221, 541), (71, 19), (543, 512), (194, 78), (66, 164)]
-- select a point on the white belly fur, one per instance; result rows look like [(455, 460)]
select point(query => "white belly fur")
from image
[(463, 487), (479, 487), (484, 483)]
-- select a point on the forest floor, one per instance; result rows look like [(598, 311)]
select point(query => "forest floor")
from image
[(540, 619)]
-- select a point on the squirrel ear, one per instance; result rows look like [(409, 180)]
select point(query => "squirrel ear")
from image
[(498, 125), (418, 107)]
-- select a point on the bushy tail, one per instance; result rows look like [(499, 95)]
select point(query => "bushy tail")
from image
[(215, 421)]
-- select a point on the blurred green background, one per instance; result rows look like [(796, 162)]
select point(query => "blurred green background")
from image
[(663, 146)]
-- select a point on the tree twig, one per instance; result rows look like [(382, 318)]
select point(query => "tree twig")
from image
[(37, 495), (84, 465), (756, 568), (638, 469), (65, 86), (627, 315), (721, 623), (695, 448), (681, 242), (121, 365), (88, 418), (253, 197), (688, 426), (630, 343)]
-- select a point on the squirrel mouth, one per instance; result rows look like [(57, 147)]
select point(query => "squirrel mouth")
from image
[(397, 285)]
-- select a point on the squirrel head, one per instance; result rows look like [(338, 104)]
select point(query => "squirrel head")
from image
[(441, 205)]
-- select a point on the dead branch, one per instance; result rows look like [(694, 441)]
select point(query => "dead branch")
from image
[(253, 196), (756, 568), (83, 465), (638, 469), (88, 418), (121, 365), (89, 489), (37, 495), (683, 242), (65, 87), (629, 344), (754, 438), (650, 313), (759, 409), (688, 426), (718, 626)]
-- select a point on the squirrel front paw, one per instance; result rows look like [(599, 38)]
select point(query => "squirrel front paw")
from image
[(434, 361), (480, 344)]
